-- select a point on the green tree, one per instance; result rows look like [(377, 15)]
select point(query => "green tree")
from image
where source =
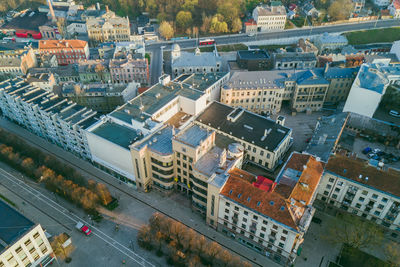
[(354, 231), (340, 9), (184, 20), (166, 30), (236, 25), (218, 25)]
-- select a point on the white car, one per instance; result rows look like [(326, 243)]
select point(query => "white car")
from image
[(394, 113)]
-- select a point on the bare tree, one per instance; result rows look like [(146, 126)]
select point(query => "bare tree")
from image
[(392, 253), (58, 246)]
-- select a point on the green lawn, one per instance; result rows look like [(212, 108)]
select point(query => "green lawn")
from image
[(351, 257), (224, 48), (8, 201), (373, 36)]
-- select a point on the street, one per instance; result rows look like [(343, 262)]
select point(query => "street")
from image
[(136, 207), (63, 219), (155, 48)]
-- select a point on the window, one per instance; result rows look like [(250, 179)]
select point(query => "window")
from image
[(331, 180), (226, 210), (246, 213), (285, 232), (361, 199), (334, 196), (236, 208), (227, 204), (283, 238), (380, 206), (377, 213), (255, 217), (262, 235), (281, 245), (384, 200), (265, 222), (263, 229), (328, 186), (374, 196), (245, 219), (365, 192), (274, 227), (337, 189), (226, 217), (358, 205), (326, 193), (243, 226)]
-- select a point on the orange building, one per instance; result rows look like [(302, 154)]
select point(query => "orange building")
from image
[(66, 51)]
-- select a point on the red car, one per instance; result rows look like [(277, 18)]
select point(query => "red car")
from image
[(83, 228)]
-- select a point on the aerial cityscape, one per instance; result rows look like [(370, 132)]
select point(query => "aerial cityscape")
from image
[(200, 133)]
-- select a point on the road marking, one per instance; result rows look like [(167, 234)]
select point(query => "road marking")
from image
[(62, 210)]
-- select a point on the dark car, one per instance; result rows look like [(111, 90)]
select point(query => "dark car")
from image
[(366, 150)]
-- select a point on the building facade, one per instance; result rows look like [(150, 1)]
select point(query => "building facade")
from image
[(57, 120), (198, 62), (351, 184), (270, 217), (25, 245), (265, 141), (108, 28), (294, 60), (66, 51), (130, 70), (270, 18), (18, 62)]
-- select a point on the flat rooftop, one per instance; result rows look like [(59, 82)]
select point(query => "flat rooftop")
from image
[(13, 225), (117, 134), (155, 98), (202, 82), (159, 142), (179, 119), (246, 125), (252, 54), (193, 135)]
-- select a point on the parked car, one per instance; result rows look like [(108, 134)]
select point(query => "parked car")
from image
[(366, 150), (394, 113), (83, 228)]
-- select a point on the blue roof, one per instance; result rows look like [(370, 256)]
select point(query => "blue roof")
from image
[(193, 136), (315, 76), (13, 225), (160, 142)]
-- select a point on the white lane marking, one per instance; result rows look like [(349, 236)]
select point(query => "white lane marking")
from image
[(38, 194)]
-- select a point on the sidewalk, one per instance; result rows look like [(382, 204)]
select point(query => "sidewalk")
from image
[(155, 200)]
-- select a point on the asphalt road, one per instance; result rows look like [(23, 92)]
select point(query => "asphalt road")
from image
[(65, 216), (155, 48)]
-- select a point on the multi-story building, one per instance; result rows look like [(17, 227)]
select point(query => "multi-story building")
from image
[(45, 81), (130, 69), (358, 5), (101, 97), (94, 71), (394, 9), (108, 28), (270, 18), (68, 73), (382, 3), (369, 87), (46, 115), (351, 184), (125, 141), (197, 62), (265, 91), (253, 60), (327, 41), (268, 216), (66, 51), (294, 60), (23, 243), (17, 62), (265, 141)]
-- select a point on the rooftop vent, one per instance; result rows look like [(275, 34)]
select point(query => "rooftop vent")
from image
[(248, 127)]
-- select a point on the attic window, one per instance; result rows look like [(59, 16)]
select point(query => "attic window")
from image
[(239, 195), (271, 203), (258, 204), (248, 199), (230, 192), (282, 208)]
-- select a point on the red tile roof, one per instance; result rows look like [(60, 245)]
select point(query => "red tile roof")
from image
[(352, 168), (285, 203), (61, 44), (250, 22)]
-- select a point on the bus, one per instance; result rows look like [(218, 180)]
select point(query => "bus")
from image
[(207, 42)]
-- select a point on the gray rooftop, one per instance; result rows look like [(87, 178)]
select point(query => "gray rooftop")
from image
[(201, 82), (13, 225), (245, 125), (193, 136), (159, 142), (327, 38), (190, 59), (117, 134), (327, 132), (295, 56)]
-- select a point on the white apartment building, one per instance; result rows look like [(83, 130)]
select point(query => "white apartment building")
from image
[(351, 184), (264, 140), (270, 18), (46, 115), (22, 242), (268, 216), (126, 142)]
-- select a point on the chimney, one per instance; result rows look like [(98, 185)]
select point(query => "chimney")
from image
[(97, 6), (53, 16)]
